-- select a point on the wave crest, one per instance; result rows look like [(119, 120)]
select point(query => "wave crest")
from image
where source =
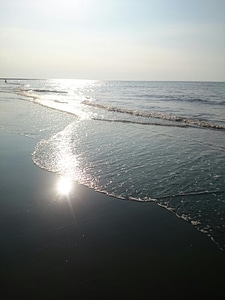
[(156, 115)]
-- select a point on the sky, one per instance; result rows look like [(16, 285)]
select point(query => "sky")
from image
[(113, 39)]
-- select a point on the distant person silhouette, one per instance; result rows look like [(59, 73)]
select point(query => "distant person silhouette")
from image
[(5, 81)]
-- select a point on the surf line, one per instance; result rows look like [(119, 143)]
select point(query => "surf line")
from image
[(142, 123), (183, 194), (189, 122)]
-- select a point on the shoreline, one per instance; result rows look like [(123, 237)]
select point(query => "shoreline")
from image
[(90, 244)]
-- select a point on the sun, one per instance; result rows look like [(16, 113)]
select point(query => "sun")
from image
[(64, 186)]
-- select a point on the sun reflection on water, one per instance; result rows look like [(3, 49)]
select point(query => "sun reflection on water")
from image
[(64, 186)]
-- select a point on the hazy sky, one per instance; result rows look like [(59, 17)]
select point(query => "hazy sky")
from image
[(113, 39)]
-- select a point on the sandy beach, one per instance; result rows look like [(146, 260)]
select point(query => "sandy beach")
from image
[(89, 245)]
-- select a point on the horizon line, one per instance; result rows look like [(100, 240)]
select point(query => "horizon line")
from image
[(131, 80)]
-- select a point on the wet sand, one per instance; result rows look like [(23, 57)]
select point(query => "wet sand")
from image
[(88, 244)]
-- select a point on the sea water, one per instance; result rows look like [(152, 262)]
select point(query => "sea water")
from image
[(141, 141)]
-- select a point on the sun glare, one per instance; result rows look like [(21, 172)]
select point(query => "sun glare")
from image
[(64, 186)]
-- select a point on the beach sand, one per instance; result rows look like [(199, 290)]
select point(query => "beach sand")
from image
[(88, 244)]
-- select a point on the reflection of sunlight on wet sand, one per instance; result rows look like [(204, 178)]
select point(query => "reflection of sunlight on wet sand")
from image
[(59, 153), (64, 186), (64, 193)]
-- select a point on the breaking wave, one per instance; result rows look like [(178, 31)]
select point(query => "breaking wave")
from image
[(47, 91), (156, 115), (141, 123)]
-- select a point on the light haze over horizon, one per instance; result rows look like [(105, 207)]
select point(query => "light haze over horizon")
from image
[(113, 39)]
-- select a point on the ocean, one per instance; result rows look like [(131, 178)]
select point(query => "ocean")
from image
[(136, 141)]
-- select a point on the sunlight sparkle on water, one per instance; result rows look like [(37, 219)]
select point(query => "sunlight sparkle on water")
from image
[(64, 186)]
